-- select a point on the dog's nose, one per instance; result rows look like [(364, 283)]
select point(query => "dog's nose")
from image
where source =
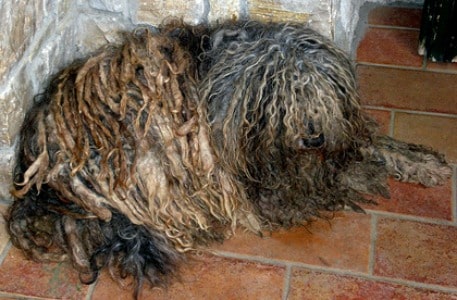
[(312, 142)]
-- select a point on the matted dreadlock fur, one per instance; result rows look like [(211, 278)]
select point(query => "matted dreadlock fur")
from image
[(115, 157), (284, 114), (169, 141)]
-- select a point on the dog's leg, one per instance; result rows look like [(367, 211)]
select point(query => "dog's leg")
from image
[(389, 157), (365, 176), (31, 228), (410, 162), (47, 229)]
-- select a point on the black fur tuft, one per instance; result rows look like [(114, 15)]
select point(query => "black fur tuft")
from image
[(47, 229)]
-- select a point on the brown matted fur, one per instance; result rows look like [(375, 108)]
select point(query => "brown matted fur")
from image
[(169, 141)]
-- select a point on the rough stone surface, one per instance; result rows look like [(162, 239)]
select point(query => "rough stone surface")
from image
[(24, 25), (30, 78), (110, 6), (12, 103), (154, 11), (4, 236), (99, 30), (316, 13), (34, 39), (19, 21), (6, 161), (225, 10)]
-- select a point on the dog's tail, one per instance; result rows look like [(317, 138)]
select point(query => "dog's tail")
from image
[(47, 229)]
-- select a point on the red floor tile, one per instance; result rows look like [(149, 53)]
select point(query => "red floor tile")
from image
[(416, 200), (209, 277), (433, 131), (416, 251), (395, 16), (382, 117), (407, 89), (390, 47), (447, 67), (323, 243), (52, 280), (313, 285)]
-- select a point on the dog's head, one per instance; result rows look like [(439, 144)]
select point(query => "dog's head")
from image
[(279, 86)]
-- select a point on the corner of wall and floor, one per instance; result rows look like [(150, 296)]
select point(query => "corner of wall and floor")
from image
[(402, 248)]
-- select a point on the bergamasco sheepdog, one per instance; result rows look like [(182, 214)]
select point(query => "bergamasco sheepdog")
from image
[(167, 142)]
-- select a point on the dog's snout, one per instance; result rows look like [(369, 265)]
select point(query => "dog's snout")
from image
[(312, 142)]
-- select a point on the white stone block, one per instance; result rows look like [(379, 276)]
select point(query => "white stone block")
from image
[(155, 11)]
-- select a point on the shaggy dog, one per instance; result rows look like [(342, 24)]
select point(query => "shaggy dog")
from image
[(168, 142)]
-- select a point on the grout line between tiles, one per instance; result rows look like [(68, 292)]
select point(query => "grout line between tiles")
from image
[(287, 277), (373, 239), (454, 193), (376, 107), (441, 71), (5, 251), (91, 289), (412, 218), (393, 27), (392, 123), (425, 113), (408, 68), (414, 284), (339, 272), (400, 67), (285, 263), (424, 62), (254, 258), (409, 111), (20, 296)]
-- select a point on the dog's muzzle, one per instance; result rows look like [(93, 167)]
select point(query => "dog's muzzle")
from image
[(312, 142)]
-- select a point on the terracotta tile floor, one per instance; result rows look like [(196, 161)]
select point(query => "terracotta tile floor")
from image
[(404, 248)]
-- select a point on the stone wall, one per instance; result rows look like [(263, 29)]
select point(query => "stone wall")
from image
[(38, 37)]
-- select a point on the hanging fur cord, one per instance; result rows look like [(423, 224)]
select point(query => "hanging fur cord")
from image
[(169, 141)]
